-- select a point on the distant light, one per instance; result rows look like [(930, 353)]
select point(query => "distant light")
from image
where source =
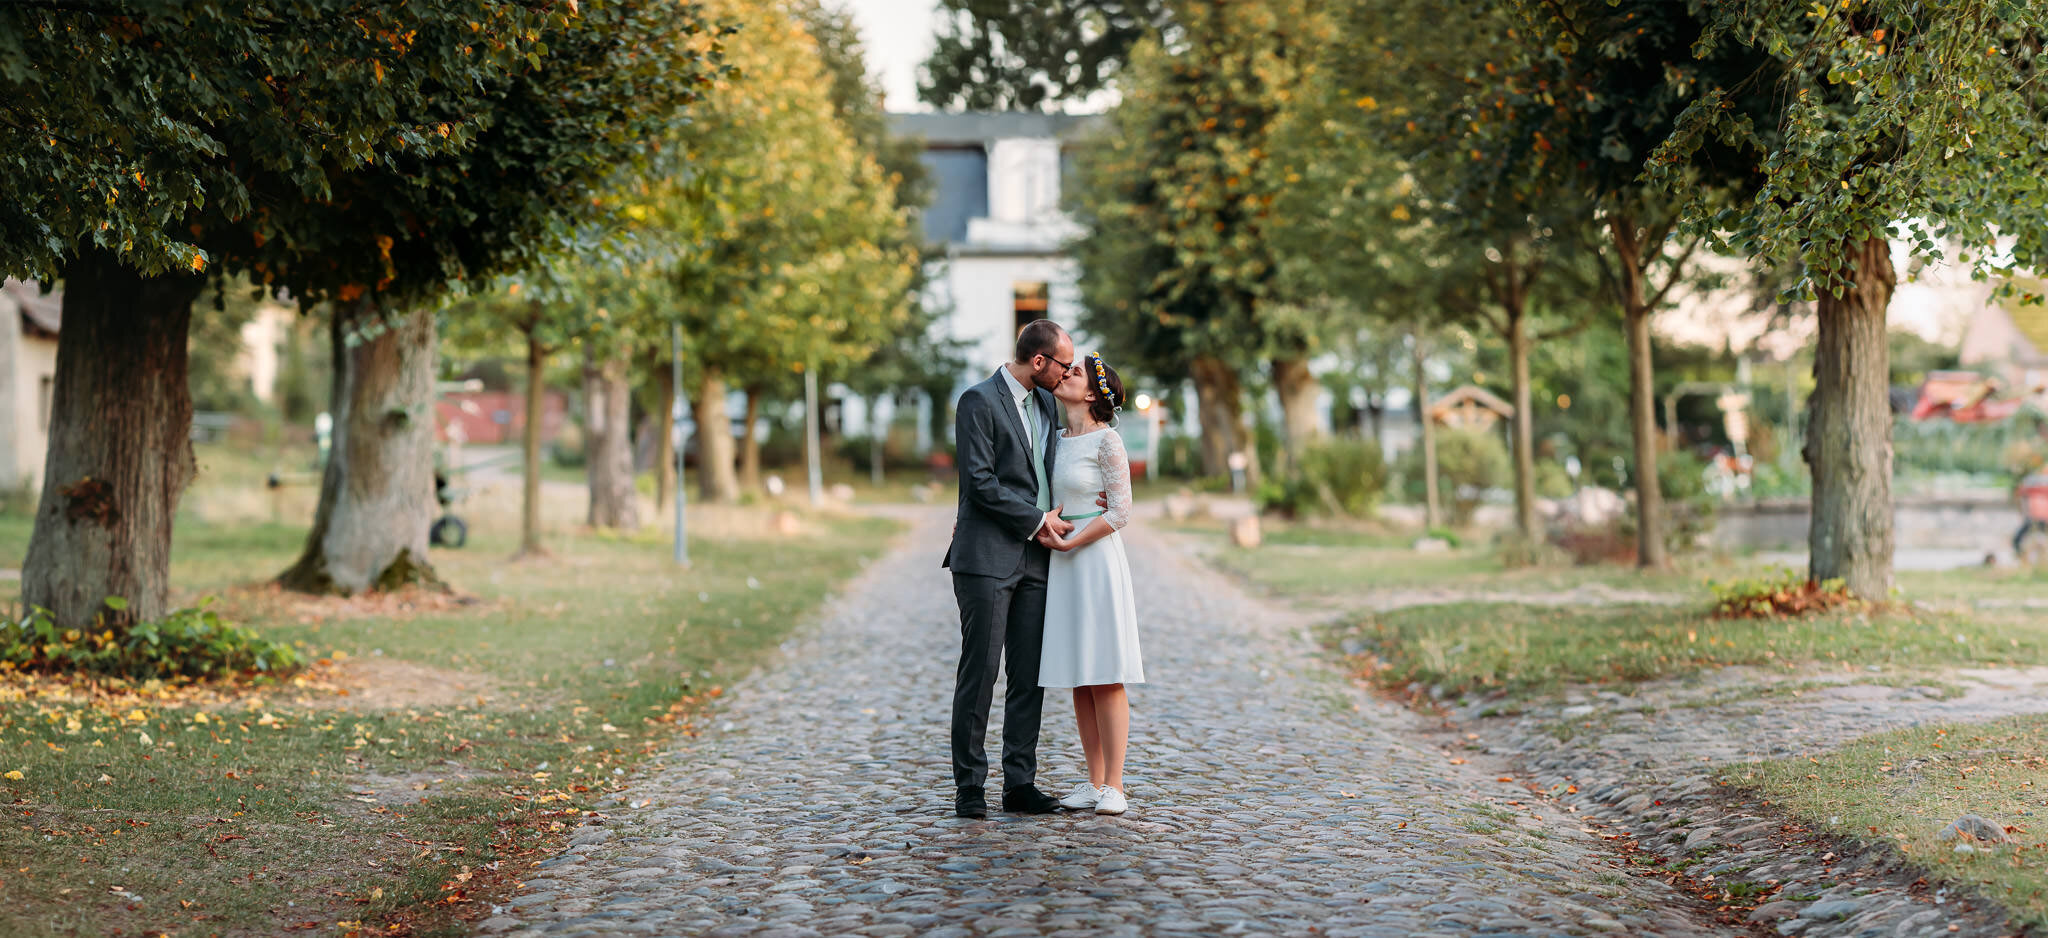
[(1144, 402), (1564, 402)]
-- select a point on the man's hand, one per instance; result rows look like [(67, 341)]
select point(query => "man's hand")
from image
[(1102, 500), (1055, 525)]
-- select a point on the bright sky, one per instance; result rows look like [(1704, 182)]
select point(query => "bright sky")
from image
[(898, 35)]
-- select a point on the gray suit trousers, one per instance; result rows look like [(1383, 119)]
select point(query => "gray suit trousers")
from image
[(999, 616)]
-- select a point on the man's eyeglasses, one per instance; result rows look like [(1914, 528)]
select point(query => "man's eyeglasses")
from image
[(1065, 367)]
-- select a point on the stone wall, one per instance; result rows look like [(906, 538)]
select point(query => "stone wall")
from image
[(1974, 522)]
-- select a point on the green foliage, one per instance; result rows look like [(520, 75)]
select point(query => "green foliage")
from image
[(1468, 464), (332, 147), (1689, 509), (1016, 55), (1333, 477), (1889, 118), (190, 643), (1175, 197)]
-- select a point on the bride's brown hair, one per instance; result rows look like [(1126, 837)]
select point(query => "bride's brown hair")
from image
[(1108, 388)]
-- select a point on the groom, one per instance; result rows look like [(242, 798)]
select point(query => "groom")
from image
[(1006, 434)]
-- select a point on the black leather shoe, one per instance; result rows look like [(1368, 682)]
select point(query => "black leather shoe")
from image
[(1027, 799), (968, 801)]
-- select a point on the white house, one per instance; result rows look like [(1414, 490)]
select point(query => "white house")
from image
[(996, 233), (29, 322)]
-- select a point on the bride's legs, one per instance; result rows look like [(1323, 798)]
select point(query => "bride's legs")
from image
[(1112, 708), (1091, 741)]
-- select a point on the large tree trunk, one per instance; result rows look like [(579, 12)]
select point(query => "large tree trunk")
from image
[(377, 496), (120, 451), (1525, 454), (664, 436), (1220, 399), (750, 444), (715, 477), (1642, 390), (608, 420), (1426, 429), (1298, 390), (529, 481), (1849, 433)]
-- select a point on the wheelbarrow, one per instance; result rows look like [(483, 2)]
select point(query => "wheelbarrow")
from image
[(2030, 545)]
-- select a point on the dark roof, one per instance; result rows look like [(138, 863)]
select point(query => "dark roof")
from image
[(979, 127), (41, 313)]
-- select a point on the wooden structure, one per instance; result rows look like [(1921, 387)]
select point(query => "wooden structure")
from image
[(1470, 408)]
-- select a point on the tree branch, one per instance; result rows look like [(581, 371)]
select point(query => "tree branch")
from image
[(1673, 274)]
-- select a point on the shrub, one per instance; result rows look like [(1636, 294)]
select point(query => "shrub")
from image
[(1781, 593), (1468, 463), (568, 448), (1334, 477), (190, 643), (1689, 508), (1552, 481)]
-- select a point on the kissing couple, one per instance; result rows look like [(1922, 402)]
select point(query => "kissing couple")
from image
[(1039, 571)]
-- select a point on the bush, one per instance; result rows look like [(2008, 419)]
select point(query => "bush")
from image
[(1552, 481), (1468, 463), (1333, 477), (1689, 508), (569, 450), (1782, 593), (190, 643)]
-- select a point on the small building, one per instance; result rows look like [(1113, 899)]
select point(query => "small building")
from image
[(29, 323), (1470, 408), (490, 418)]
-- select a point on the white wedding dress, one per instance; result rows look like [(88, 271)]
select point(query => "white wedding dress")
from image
[(1091, 615)]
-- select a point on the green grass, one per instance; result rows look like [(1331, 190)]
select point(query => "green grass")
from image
[(575, 668), (1481, 647), (1902, 787)]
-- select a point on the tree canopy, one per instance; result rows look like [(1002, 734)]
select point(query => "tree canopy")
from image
[(1016, 55)]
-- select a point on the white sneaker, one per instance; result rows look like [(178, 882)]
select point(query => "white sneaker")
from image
[(1083, 797), (1111, 802)]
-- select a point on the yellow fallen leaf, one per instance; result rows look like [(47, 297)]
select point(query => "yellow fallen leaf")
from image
[(377, 893), (15, 775)]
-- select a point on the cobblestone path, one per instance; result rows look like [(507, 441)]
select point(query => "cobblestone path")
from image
[(1268, 797)]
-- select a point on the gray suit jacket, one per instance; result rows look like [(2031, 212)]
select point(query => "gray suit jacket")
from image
[(998, 491)]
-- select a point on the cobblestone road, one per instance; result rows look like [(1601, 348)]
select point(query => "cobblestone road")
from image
[(1268, 798)]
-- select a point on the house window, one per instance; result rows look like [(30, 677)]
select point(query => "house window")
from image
[(43, 402), (1028, 299)]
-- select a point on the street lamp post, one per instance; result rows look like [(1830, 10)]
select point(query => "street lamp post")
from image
[(675, 426)]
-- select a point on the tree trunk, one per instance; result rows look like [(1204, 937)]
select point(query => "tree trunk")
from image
[(607, 416), (1220, 400), (1298, 390), (1849, 434), (716, 480), (750, 444), (1642, 391), (377, 496), (1525, 454), (529, 481), (664, 436), (120, 451), (1426, 430)]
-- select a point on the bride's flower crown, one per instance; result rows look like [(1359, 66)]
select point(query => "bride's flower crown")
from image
[(1102, 385)]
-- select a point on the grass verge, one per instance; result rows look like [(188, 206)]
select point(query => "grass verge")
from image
[(487, 728), (1901, 788), (1468, 648)]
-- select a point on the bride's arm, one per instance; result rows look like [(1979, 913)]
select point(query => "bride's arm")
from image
[(1116, 484)]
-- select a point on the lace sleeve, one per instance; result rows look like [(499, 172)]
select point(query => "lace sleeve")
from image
[(1116, 480)]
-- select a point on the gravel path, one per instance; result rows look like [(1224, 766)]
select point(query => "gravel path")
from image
[(1268, 797)]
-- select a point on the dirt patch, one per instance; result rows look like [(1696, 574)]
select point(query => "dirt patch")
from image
[(380, 683), (259, 601)]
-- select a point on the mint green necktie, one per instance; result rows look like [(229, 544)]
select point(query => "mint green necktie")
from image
[(1037, 456)]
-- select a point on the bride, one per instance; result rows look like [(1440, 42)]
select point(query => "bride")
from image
[(1091, 619)]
